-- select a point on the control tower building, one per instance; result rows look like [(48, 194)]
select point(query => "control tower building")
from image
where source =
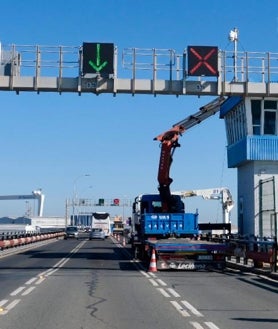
[(252, 148)]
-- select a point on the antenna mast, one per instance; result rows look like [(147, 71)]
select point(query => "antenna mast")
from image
[(233, 36)]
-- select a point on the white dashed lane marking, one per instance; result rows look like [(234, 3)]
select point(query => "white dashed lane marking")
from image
[(10, 306), (27, 291), (179, 308), (17, 291), (162, 283), (191, 308), (209, 325), (168, 292), (31, 280), (153, 282), (173, 292)]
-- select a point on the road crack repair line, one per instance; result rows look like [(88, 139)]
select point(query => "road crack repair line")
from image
[(7, 305)]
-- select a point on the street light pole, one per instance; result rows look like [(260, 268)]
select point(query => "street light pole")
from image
[(74, 200)]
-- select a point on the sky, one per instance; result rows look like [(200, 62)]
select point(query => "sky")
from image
[(102, 146)]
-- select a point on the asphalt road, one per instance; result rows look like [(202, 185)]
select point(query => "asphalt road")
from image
[(81, 284)]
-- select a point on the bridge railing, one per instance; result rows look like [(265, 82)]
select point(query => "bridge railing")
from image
[(262, 252), (136, 63), (255, 252), (249, 66), (36, 61)]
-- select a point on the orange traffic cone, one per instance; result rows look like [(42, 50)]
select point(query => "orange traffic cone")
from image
[(152, 267)]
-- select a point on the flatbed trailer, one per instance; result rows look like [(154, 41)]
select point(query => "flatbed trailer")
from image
[(187, 254)]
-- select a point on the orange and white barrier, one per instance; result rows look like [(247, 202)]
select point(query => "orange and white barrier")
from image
[(4, 244)]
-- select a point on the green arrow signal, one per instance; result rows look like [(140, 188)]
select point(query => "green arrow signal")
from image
[(97, 66)]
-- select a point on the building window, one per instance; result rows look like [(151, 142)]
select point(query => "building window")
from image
[(270, 110), (256, 116), (235, 122), (264, 119), (269, 123)]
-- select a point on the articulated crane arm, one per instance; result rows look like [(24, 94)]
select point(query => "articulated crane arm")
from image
[(169, 142), (220, 193)]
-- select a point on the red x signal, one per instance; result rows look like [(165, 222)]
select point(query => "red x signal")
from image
[(202, 60)]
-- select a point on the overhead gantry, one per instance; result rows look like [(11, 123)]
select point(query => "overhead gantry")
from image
[(102, 68)]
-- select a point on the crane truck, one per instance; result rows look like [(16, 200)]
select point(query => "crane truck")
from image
[(159, 220)]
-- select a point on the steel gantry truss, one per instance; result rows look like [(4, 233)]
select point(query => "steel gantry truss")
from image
[(137, 71)]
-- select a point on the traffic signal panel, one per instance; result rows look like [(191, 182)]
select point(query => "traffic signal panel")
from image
[(202, 61), (98, 58), (116, 202), (101, 202)]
